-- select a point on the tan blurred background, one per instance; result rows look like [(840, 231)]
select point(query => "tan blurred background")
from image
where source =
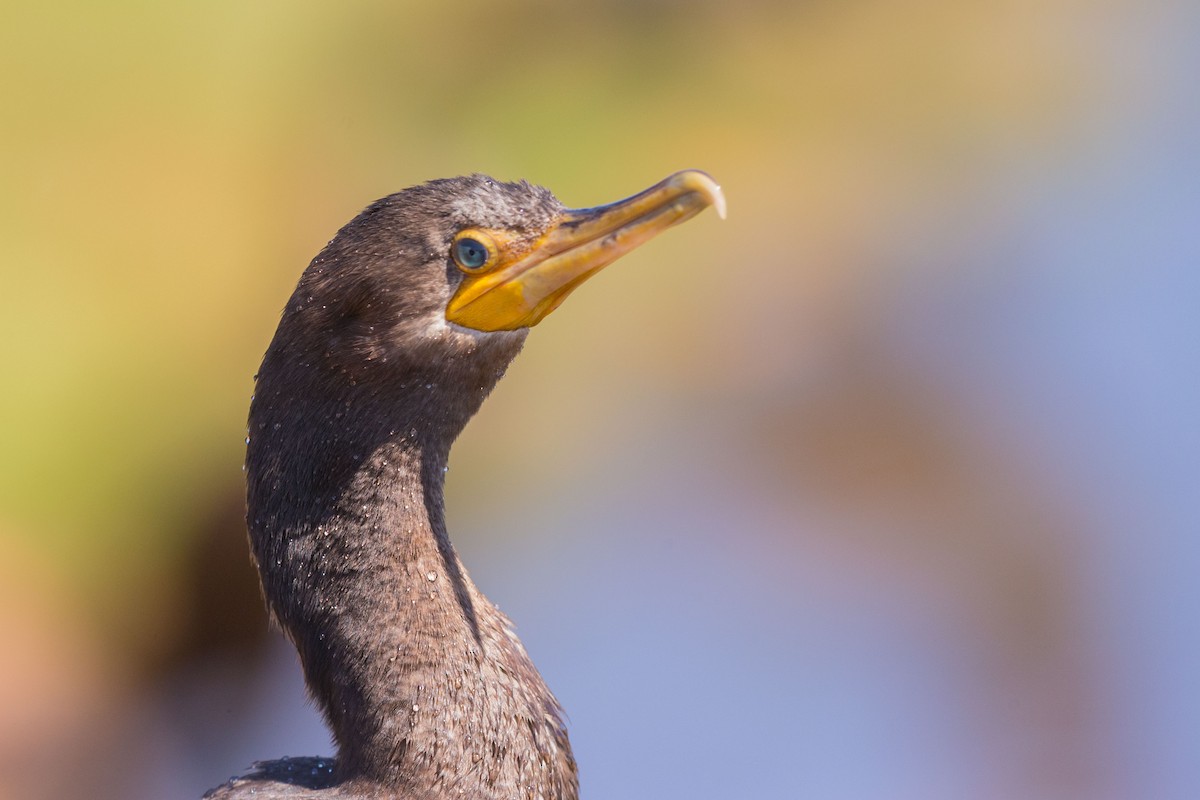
[(886, 487)]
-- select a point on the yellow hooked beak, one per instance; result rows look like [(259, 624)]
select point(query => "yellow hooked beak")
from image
[(504, 291)]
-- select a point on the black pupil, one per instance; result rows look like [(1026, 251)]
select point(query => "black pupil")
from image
[(471, 254)]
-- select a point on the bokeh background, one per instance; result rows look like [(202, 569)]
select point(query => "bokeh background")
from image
[(886, 487)]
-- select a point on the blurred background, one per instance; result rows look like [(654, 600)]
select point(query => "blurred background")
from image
[(886, 487)]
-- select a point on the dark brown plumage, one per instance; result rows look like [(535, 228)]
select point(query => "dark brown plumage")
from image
[(364, 388)]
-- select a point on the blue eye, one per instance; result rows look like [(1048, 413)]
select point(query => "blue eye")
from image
[(470, 253)]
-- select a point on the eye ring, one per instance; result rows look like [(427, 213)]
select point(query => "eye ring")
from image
[(473, 251)]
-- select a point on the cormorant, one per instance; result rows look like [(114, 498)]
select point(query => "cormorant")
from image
[(395, 334)]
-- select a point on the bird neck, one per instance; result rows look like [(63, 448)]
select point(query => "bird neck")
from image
[(422, 680)]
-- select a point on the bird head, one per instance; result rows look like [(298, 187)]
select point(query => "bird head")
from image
[(455, 261), (436, 286)]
